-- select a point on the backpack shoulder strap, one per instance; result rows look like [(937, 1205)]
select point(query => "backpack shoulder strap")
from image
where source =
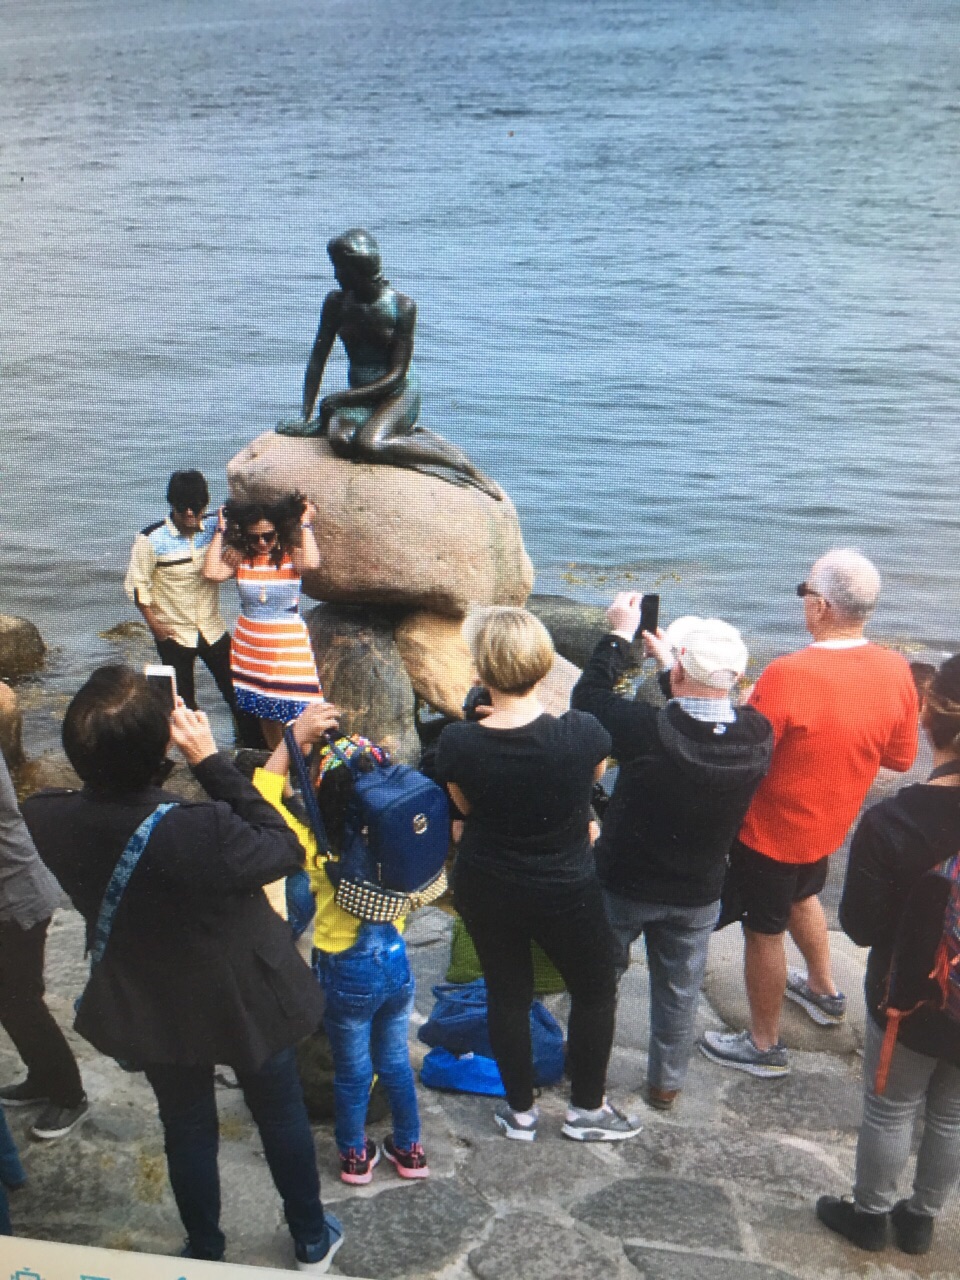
[(120, 878), (307, 793)]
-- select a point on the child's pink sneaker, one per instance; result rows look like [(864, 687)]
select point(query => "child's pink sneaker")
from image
[(409, 1163), (356, 1167)]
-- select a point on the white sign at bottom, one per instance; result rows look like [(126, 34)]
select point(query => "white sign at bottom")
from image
[(23, 1259)]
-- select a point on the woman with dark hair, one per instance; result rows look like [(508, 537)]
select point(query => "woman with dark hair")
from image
[(892, 906), (525, 870), (190, 965), (266, 547)]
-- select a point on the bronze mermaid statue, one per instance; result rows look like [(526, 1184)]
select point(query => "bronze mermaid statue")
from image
[(375, 418)]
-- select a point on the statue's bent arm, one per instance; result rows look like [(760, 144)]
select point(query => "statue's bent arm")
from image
[(322, 346)]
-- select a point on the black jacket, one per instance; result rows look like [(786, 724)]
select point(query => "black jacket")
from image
[(199, 968), (683, 788), (894, 844)]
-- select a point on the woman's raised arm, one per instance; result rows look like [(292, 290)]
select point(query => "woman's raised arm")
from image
[(219, 564)]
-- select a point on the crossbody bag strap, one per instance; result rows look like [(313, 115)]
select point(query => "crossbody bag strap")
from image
[(126, 865), (307, 793)]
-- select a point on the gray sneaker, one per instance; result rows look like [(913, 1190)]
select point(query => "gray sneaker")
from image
[(828, 1011), (511, 1125), (608, 1125), (736, 1049)]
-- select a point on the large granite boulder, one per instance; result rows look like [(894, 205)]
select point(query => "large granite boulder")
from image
[(437, 659), (389, 535), (440, 668), (362, 674), (574, 627), (21, 647)]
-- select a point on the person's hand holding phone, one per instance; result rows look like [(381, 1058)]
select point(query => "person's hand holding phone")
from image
[(624, 614), (190, 732), (310, 726), (654, 646)]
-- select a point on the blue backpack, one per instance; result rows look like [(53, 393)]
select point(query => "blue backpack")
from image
[(396, 836)]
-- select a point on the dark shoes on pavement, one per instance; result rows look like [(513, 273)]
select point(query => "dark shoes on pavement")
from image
[(865, 1230), (912, 1231), (56, 1122), (23, 1094), (356, 1167), (409, 1162), (661, 1099)]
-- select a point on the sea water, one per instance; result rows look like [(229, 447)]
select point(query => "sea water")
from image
[(687, 276)]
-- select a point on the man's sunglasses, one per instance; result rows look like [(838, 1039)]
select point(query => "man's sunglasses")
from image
[(804, 590)]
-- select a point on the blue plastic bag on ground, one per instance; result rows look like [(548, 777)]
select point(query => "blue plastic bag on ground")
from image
[(458, 1023), (470, 1073)]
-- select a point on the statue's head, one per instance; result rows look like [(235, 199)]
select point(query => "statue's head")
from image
[(355, 255)]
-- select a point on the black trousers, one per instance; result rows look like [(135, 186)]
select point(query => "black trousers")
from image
[(216, 658), (51, 1066), (503, 919)]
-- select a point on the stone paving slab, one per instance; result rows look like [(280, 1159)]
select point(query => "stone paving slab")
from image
[(660, 1264), (415, 1229), (680, 1210), (523, 1246)]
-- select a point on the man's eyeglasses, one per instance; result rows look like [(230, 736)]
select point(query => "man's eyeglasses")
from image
[(804, 590), (266, 538), (189, 511)]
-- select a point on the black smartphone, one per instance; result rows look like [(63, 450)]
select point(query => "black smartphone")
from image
[(649, 615), (164, 680)]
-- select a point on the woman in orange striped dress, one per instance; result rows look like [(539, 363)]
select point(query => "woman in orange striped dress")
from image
[(266, 547)]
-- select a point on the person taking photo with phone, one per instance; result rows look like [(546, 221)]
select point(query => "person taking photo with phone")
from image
[(191, 966), (687, 774)]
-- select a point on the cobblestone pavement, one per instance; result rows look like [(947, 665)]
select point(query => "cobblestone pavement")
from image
[(721, 1190)]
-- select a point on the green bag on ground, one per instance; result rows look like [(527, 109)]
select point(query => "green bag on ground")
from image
[(465, 965)]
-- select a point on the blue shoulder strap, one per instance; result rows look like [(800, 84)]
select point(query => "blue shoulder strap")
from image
[(307, 793), (120, 878)]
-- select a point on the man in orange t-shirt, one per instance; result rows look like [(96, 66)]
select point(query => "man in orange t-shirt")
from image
[(840, 708)]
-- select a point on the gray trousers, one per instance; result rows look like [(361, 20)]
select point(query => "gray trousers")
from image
[(677, 940), (883, 1146)]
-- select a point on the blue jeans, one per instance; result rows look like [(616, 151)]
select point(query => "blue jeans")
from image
[(677, 940), (11, 1173), (369, 992), (188, 1113)]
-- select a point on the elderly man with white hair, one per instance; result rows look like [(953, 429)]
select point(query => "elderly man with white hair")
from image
[(687, 773), (840, 708)]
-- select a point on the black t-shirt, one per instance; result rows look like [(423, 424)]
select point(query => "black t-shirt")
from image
[(529, 792)]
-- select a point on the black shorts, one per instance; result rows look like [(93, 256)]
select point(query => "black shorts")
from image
[(760, 892)]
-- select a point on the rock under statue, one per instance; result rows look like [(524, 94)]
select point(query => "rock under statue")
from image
[(375, 418)]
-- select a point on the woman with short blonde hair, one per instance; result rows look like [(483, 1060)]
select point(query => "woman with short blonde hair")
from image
[(525, 869)]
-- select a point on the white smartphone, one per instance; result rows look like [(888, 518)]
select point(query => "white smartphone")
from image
[(164, 680)]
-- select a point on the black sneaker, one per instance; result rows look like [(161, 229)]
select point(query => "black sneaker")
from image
[(23, 1094), (865, 1230), (912, 1231), (56, 1122)]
